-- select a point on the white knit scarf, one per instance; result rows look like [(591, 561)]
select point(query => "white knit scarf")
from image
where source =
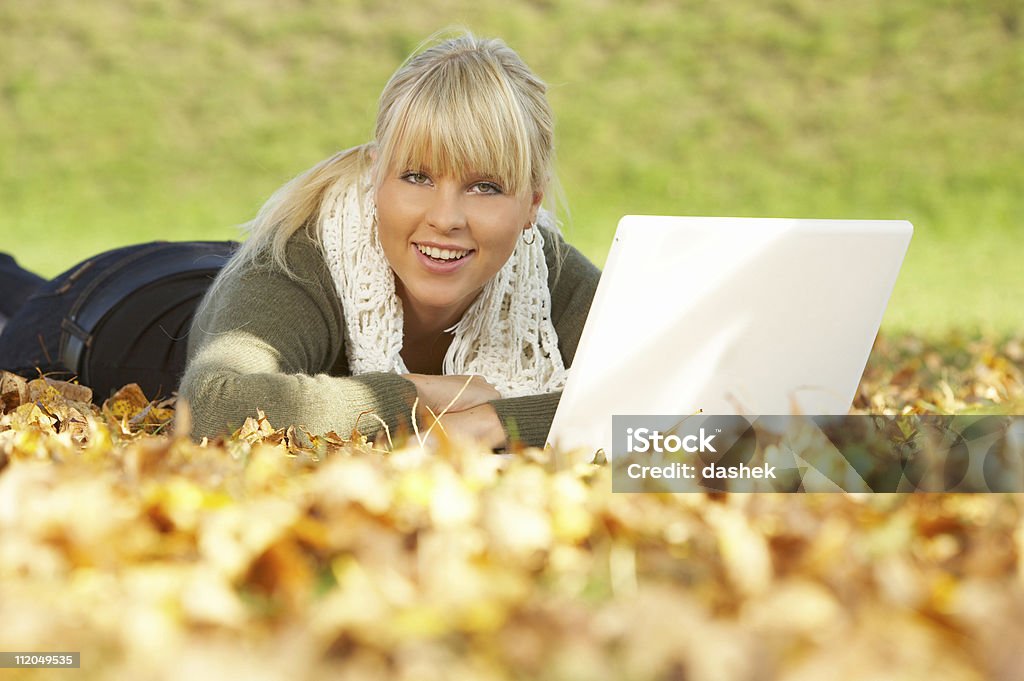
[(506, 335)]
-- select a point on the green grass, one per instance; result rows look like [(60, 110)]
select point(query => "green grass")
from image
[(137, 120)]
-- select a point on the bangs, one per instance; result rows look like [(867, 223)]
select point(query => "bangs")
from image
[(460, 118)]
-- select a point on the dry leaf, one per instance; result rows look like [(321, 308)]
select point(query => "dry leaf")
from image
[(281, 553)]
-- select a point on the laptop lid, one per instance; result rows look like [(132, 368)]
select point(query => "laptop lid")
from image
[(748, 316)]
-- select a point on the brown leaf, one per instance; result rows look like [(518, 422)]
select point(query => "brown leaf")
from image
[(13, 391), (284, 572), (255, 429), (73, 392), (125, 403)]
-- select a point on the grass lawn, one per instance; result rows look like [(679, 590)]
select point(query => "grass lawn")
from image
[(143, 120)]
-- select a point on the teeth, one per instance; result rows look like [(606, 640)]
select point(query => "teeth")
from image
[(441, 253)]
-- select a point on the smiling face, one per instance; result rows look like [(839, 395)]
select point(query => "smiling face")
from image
[(464, 141), (445, 237)]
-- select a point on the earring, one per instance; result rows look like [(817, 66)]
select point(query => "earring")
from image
[(533, 234)]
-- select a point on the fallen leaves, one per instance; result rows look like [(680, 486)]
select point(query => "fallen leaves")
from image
[(281, 554)]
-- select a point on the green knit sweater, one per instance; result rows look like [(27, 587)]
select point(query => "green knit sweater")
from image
[(267, 341)]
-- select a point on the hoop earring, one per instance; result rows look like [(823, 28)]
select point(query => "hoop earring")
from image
[(533, 234)]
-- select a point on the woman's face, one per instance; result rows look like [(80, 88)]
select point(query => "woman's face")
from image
[(446, 237)]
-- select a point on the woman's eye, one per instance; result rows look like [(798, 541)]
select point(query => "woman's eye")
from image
[(416, 178), (486, 188)]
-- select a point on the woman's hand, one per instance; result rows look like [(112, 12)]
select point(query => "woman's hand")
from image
[(467, 416), (438, 393), (480, 424)]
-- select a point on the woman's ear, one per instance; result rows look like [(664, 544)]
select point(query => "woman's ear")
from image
[(538, 197)]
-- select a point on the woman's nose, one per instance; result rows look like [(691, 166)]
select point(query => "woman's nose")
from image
[(446, 211)]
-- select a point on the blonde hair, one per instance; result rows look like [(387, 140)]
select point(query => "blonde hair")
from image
[(464, 103)]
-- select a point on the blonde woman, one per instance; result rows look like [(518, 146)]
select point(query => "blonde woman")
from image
[(400, 268), (418, 265)]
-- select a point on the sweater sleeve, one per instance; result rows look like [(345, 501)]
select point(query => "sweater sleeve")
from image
[(263, 340), (528, 419)]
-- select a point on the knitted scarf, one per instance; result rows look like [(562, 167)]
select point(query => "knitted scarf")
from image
[(506, 335)]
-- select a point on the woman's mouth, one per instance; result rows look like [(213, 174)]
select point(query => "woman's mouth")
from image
[(442, 254), (442, 259)]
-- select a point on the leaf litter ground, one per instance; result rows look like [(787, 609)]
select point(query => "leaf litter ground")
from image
[(280, 554)]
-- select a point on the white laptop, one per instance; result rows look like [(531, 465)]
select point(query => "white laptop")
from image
[(750, 316)]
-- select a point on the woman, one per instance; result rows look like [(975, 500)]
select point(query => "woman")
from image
[(401, 268), (394, 270)]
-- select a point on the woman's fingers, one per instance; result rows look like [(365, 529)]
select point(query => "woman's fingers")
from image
[(453, 393), (470, 391), (480, 423)]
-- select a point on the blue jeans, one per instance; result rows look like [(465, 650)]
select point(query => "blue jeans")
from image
[(16, 285), (120, 317)]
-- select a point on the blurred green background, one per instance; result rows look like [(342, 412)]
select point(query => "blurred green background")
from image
[(125, 121)]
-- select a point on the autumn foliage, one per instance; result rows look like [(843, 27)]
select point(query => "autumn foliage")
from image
[(282, 554)]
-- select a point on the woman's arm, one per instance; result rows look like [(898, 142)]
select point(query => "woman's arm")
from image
[(265, 341)]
